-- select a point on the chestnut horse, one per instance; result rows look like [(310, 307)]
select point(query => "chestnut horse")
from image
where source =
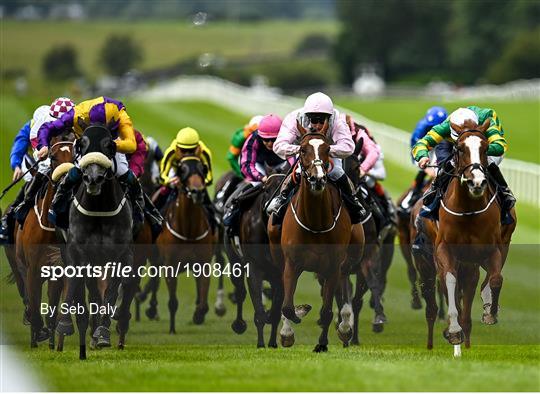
[(187, 238), (470, 235), (317, 236), (35, 245)]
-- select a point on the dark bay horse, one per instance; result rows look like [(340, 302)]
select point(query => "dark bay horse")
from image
[(187, 240), (407, 234), (470, 235), (251, 250), (99, 234), (36, 245), (317, 236)]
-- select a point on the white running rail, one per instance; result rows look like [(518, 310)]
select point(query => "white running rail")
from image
[(523, 177)]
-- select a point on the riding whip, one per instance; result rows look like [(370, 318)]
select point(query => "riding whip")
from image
[(17, 180)]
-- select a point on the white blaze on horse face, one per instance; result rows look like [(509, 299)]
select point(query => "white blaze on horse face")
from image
[(65, 148), (474, 143), (316, 143)]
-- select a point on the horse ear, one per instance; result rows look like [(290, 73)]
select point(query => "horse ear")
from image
[(325, 127), (82, 124), (458, 129), (300, 128), (485, 125)]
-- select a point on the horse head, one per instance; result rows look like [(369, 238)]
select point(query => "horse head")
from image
[(97, 147), (471, 156), (192, 174), (62, 154), (314, 157)]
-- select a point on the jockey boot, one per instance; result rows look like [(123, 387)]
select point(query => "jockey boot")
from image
[(233, 210), (31, 191), (154, 217), (60, 204), (432, 196), (135, 194), (356, 210), (507, 198), (278, 205), (8, 219)]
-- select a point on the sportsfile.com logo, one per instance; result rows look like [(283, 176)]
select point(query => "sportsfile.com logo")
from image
[(119, 270)]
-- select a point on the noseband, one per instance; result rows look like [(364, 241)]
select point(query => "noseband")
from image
[(192, 170)]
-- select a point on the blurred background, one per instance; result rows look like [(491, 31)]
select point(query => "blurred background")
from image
[(212, 65)]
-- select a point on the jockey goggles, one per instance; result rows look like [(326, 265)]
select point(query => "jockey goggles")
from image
[(317, 118)]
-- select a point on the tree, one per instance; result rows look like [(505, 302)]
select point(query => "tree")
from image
[(60, 63), (119, 54)]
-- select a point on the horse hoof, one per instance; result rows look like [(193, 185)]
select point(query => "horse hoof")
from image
[(93, 344), (43, 334), (65, 328), (239, 326), (272, 344), (290, 314), (455, 338), (120, 346), (198, 318), (151, 313), (416, 303), (172, 331), (140, 297), (260, 346), (33, 344), (103, 337), (287, 341), (377, 328), (220, 310), (489, 319), (302, 310), (355, 342), (345, 337), (320, 348)]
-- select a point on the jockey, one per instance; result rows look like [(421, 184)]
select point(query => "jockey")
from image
[(496, 149), (317, 109), (369, 156), (256, 154), (433, 117), (187, 141), (42, 115), (136, 165), (112, 114), (237, 141), (20, 161), (154, 156)]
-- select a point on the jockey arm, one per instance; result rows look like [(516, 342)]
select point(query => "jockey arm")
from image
[(167, 163), (430, 140), (249, 159), (370, 151), (136, 159), (237, 141), (285, 145), (49, 130), (206, 157), (125, 143), (343, 145), (20, 146)]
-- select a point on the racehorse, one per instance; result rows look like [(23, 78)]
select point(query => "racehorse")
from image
[(371, 272), (35, 245), (470, 235), (251, 252), (407, 234), (317, 236), (187, 240), (100, 232)]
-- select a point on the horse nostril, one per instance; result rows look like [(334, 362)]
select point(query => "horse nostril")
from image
[(100, 179), (86, 178), (470, 182), (484, 183)]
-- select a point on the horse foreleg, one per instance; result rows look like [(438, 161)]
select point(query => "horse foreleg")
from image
[(54, 291), (173, 302), (275, 311), (374, 282), (326, 313), (129, 286), (203, 285), (81, 317), (219, 306), (344, 302), (239, 325), (448, 274), (255, 286), (469, 279), (428, 278), (357, 302), (290, 279), (495, 285), (34, 287)]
